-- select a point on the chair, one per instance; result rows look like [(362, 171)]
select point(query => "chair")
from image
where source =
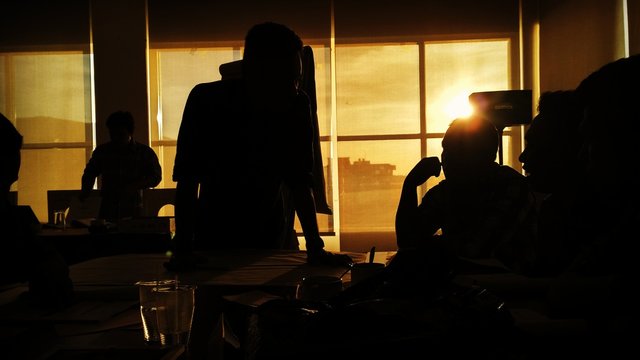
[(154, 199), (13, 197)]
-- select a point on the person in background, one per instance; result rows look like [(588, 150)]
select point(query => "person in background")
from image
[(240, 193), (550, 159), (25, 257), (484, 210), (125, 166)]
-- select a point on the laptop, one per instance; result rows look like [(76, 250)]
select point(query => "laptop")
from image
[(81, 213)]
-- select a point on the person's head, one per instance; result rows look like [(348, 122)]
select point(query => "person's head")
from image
[(469, 148), (610, 125), (10, 145), (272, 62), (552, 142), (120, 125)]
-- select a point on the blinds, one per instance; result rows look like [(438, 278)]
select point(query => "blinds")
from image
[(407, 18), (37, 24), (214, 21)]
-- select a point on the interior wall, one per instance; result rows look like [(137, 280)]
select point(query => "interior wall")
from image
[(576, 38), (120, 50), (213, 21), (395, 18), (36, 23), (633, 11)]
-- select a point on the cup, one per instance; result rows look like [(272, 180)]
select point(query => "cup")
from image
[(318, 287), (174, 312), (147, 291), (361, 271), (60, 219)]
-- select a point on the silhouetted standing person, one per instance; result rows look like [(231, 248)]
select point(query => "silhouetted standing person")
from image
[(125, 166), (244, 157)]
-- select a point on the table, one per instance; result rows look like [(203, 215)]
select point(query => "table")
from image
[(79, 244), (106, 314)]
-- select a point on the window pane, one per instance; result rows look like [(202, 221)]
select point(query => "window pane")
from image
[(166, 156), (370, 180), (53, 97), (179, 72), (321, 55), (455, 70), (48, 169), (378, 89)]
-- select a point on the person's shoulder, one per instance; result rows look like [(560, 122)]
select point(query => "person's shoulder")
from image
[(101, 148), (508, 173), (216, 86), (513, 182), (439, 190)]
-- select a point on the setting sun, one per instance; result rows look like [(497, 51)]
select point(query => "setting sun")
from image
[(458, 106)]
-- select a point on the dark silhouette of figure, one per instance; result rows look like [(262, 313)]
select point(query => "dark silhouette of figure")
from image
[(240, 192), (125, 166), (550, 158), (483, 209), (599, 283), (26, 257)]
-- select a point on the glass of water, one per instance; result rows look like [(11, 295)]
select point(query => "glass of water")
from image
[(174, 311), (148, 296)]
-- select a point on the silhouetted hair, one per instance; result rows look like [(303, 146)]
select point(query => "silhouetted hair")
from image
[(10, 138), (270, 40), (564, 108), (610, 95), (475, 135), (121, 120)]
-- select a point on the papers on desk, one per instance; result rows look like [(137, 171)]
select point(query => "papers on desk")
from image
[(252, 299)]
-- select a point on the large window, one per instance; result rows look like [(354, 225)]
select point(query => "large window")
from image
[(393, 103), (387, 120), (177, 71), (48, 97)]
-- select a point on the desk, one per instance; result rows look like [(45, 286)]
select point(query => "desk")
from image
[(107, 315)]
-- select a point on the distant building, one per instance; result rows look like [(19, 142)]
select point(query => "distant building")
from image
[(363, 175)]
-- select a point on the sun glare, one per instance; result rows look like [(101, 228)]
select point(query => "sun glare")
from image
[(459, 106)]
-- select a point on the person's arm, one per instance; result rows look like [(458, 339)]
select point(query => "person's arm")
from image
[(306, 211), (185, 175), (151, 170), (408, 221), (185, 215)]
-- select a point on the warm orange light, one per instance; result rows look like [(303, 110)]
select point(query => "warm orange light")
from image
[(458, 106)]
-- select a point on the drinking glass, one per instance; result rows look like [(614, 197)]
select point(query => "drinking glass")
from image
[(174, 312), (148, 308)]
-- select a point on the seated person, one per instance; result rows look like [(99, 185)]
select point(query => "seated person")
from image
[(125, 166), (27, 258), (484, 210), (550, 159), (598, 285)]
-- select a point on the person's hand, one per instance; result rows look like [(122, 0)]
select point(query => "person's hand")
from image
[(423, 170), (322, 257)]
